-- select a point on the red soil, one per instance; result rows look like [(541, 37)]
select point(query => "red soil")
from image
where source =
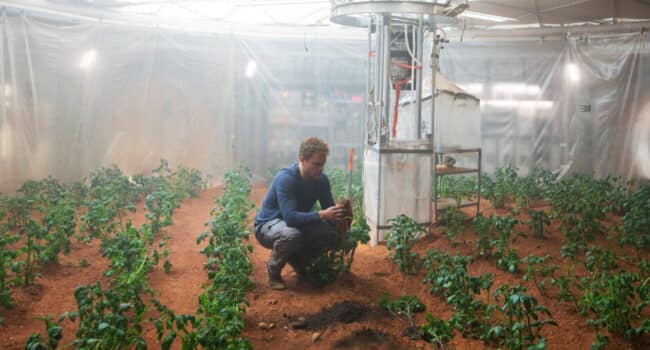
[(372, 274)]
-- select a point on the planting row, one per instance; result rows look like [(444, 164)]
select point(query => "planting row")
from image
[(613, 293), (38, 224), (113, 316)]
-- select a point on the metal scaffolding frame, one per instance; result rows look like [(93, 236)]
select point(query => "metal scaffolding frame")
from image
[(389, 22)]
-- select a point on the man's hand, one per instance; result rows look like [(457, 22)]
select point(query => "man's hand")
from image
[(332, 213)]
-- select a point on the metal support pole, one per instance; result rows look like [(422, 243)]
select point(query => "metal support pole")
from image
[(379, 35), (478, 197), (388, 37), (418, 77), (433, 163)]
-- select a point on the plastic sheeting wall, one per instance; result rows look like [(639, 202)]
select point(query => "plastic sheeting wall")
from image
[(78, 96), (575, 105), (152, 94)]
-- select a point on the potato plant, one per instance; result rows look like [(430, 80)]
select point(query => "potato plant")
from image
[(529, 190), (538, 219), (453, 221), (406, 306), (437, 331), (538, 270), (612, 298), (219, 319), (494, 236), (522, 326), (580, 203), (54, 336), (111, 194), (448, 277), (635, 231), (457, 187), (503, 185), (7, 255), (107, 320), (399, 242)]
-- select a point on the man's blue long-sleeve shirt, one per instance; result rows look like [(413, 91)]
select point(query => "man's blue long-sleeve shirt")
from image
[(291, 198)]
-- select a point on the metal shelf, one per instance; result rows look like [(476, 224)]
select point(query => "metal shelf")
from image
[(453, 170), (446, 203), (443, 170)]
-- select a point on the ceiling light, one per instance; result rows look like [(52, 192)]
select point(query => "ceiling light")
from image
[(250, 69), (516, 88), (485, 16), (573, 72), (88, 59)]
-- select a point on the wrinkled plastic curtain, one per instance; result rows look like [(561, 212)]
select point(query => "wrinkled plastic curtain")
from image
[(303, 85), (81, 96), (188, 97), (578, 105)]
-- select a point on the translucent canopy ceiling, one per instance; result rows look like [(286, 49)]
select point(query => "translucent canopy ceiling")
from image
[(228, 14)]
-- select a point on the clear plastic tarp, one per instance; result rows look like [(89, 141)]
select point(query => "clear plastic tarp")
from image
[(574, 105), (77, 96)]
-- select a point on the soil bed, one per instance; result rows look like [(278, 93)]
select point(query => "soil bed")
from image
[(343, 313)]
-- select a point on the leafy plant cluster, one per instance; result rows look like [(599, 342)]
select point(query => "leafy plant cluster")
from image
[(507, 184), (110, 195), (403, 233), (615, 300), (538, 220), (514, 322), (458, 187), (635, 230), (112, 317), (332, 263), (36, 226), (494, 236), (581, 203), (521, 324), (448, 278), (219, 319), (406, 306), (453, 221), (539, 271), (498, 189)]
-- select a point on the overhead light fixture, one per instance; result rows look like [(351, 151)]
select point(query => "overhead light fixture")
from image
[(485, 16), (251, 67), (524, 104), (88, 59), (516, 89), (573, 72)]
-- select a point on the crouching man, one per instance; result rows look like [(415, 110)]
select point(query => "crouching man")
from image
[(286, 223)]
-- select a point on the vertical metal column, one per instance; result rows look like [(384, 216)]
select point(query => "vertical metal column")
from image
[(386, 83), (419, 47), (433, 217)]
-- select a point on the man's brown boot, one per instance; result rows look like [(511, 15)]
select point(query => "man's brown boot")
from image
[(277, 284), (275, 280)]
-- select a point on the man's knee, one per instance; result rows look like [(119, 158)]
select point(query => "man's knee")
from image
[(287, 240)]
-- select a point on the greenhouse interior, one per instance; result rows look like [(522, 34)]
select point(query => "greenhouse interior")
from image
[(324, 174)]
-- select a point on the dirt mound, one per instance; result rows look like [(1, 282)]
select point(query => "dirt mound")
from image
[(367, 338), (341, 312)]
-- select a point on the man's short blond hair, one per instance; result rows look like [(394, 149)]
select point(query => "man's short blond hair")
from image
[(311, 146)]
